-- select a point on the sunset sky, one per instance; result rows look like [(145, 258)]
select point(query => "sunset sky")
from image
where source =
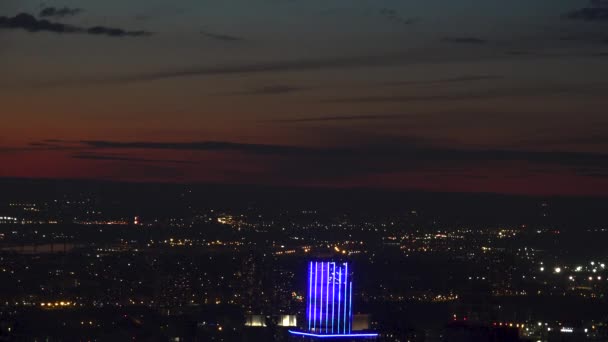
[(473, 96)]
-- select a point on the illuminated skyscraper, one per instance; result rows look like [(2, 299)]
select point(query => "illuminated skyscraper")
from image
[(329, 302)]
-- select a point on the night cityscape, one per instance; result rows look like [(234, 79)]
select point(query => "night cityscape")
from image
[(299, 171), (98, 261)]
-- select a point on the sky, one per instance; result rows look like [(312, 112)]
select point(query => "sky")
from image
[(436, 95)]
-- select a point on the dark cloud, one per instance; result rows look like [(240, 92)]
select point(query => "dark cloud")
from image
[(54, 144), (59, 12), (465, 78), (394, 16), (364, 117), (364, 159), (298, 65), (127, 159), (222, 37), (597, 11), (586, 37), (589, 138), (278, 66), (376, 160), (464, 40), (199, 146), (49, 146), (115, 32), (271, 90), (44, 145), (580, 89), (29, 23), (406, 98), (413, 148)]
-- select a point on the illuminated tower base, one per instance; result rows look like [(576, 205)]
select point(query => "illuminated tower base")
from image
[(329, 310)]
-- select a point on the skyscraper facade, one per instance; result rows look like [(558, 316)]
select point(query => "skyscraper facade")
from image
[(329, 301)]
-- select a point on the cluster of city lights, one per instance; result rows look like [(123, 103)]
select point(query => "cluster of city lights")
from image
[(591, 272), (509, 324), (57, 304)]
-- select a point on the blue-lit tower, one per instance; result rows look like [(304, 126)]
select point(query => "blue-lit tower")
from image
[(329, 302)]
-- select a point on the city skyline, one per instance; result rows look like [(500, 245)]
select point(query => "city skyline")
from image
[(91, 260), (485, 96)]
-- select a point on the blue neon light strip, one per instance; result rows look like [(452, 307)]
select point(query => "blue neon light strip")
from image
[(339, 294), (332, 276), (321, 301), (314, 312), (309, 295), (345, 292), (330, 335), (327, 301), (333, 297), (350, 308)]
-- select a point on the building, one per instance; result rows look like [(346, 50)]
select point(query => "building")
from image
[(329, 304)]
